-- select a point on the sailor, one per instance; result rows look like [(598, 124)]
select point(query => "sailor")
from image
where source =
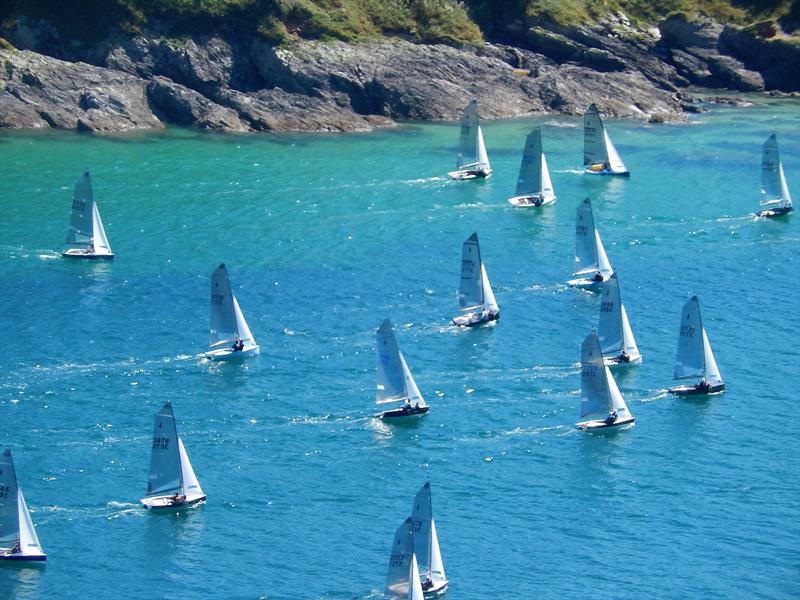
[(624, 357), (612, 416), (598, 276), (238, 346), (177, 498), (427, 584), (16, 549)]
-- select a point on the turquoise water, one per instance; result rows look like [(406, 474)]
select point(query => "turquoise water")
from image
[(324, 237)]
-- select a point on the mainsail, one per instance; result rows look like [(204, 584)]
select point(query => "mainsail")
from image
[(81, 224), (224, 327), (9, 516), (613, 329), (590, 255), (468, 140), (690, 360), (426, 542), (391, 386), (165, 459), (599, 391), (397, 576), (774, 190), (594, 138), (470, 294)]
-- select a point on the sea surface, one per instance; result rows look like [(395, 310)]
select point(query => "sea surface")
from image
[(324, 236)]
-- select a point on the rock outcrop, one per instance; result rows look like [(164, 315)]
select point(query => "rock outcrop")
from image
[(239, 82)]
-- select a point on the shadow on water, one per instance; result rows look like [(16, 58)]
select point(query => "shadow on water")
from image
[(21, 580)]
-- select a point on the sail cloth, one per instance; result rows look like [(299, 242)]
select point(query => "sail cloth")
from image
[(9, 517), (391, 386), (599, 391), (223, 316), (482, 158), (594, 139), (468, 139), (773, 181), (397, 576), (191, 485), (613, 329), (470, 295), (489, 301), (690, 360), (165, 461), (81, 224), (426, 542), (412, 391), (415, 584), (530, 170), (28, 540)]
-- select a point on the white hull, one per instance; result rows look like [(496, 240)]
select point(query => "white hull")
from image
[(586, 283), (602, 425), (774, 212), (532, 201), (84, 253), (228, 354), (695, 390), (6, 554), (466, 174), (167, 503), (475, 318), (403, 415), (439, 587), (616, 361), (593, 170)]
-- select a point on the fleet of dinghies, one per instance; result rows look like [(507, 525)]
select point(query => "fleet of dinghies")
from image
[(415, 566)]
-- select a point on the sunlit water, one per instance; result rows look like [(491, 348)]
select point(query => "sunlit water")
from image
[(324, 236)]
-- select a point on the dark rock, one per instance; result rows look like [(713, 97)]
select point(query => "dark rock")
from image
[(777, 60), (174, 103)]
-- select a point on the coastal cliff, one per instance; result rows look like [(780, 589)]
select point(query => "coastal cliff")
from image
[(241, 81)]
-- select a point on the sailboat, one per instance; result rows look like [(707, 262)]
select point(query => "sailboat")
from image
[(775, 198), (534, 187), (230, 338), (399, 577), (591, 262), (695, 358), (86, 231), (599, 152), (472, 161), (16, 527), (614, 330), (599, 392), (475, 297), (415, 591), (395, 383), (172, 482), (426, 543)]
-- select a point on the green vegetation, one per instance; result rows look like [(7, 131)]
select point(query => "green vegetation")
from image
[(447, 21)]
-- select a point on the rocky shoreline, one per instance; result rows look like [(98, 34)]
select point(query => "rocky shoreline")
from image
[(235, 82)]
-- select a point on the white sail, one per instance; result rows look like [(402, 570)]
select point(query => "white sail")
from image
[(614, 329), (9, 510), (421, 519), (470, 295), (546, 190), (490, 303), (482, 157), (713, 376), (415, 586), (437, 574), (412, 391), (614, 161), (585, 240), (191, 486), (690, 360), (615, 399), (224, 328), (400, 560), (241, 325), (391, 385), (101, 245), (594, 139), (774, 190), (81, 224), (468, 139), (28, 540), (530, 171), (603, 264), (594, 385), (165, 461)]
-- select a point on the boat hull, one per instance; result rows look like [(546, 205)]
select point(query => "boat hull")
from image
[(775, 212), (586, 283), (438, 587), (600, 425), (165, 503), (590, 171), (402, 414), (20, 557), (228, 355), (467, 174), (617, 361), (695, 390), (533, 201), (475, 319), (85, 254)]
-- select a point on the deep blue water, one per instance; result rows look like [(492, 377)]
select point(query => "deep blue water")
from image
[(324, 236)]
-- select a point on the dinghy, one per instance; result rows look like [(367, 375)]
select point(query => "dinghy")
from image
[(18, 539), (231, 338), (426, 543), (534, 187), (475, 296), (614, 330), (695, 358), (599, 392), (775, 198), (599, 154), (395, 383), (172, 482), (86, 233), (591, 262), (399, 577), (472, 161)]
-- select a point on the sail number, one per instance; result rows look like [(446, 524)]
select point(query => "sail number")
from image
[(4, 491), (687, 331), (581, 230), (217, 298), (606, 306), (397, 560), (160, 443), (589, 371)]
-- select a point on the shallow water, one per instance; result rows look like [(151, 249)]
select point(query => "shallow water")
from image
[(324, 236)]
